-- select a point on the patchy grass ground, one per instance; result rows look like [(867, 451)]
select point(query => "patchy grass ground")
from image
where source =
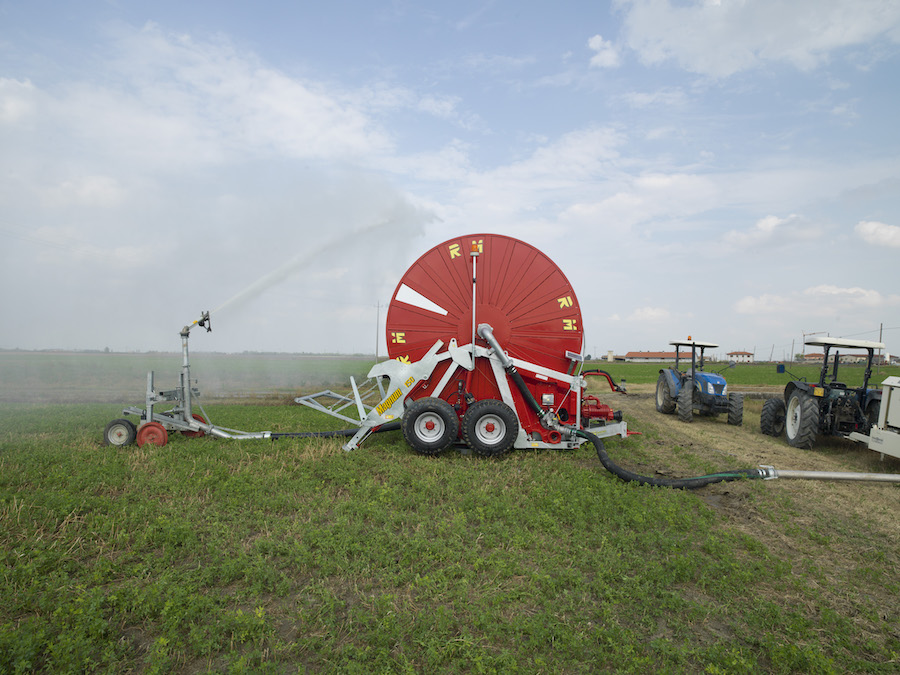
[(293, 556)]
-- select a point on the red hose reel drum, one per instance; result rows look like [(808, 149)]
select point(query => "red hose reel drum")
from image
[(519, 291)]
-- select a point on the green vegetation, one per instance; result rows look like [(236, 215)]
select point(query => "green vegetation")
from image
[(293, 556)]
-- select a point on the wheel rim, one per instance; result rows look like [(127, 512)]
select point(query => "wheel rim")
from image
[(152, 433), (490, 429), (429, 427), (659, 394), (118, 434), (792, 418)]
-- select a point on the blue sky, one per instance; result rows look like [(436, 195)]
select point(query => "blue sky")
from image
[(723, 169)]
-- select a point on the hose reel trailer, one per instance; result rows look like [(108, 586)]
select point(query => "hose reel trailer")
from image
[(485, 338)]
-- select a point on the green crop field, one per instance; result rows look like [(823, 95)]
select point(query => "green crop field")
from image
[(288, 556)]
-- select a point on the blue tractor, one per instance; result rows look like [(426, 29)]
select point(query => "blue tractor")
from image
[(693, 390)]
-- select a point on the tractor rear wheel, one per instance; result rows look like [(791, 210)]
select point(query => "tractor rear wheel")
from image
[(490, 427), (872, 412), (801, 422), (430, 425), (771, 420), (735, 409), (664, 401), (685, 404)]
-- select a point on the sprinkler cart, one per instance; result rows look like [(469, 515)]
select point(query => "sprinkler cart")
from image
[(485, 339)]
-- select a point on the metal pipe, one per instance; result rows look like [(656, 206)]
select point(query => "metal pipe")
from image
[(772, 473), (487, 334)]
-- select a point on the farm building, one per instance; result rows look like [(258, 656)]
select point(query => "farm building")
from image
[(740, 357)]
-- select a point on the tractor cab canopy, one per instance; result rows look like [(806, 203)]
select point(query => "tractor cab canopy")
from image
[(694, 345), (828, 342), (843, 342)]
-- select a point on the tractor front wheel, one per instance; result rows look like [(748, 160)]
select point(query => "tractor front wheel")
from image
[(801, 422), (665, 403), (685, 404), (430, 425), (490, 427), (735, 409), (771, 420)]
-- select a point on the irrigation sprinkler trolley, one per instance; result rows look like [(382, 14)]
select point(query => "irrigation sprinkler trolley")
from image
[(154, 427)]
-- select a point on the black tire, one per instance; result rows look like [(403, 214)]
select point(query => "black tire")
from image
[(430, 425), (119, 432), (664, 401), (801, 420), (771, 421), (490, 427), (685, 404), (735, 409), (872, 412)]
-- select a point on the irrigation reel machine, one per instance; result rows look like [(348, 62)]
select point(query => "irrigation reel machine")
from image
[(485, 339)]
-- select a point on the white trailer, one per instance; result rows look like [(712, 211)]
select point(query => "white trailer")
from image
[(884, 437)]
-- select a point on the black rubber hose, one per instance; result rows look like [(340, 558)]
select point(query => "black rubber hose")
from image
[(526, 392), (677, 483), (343, 433)]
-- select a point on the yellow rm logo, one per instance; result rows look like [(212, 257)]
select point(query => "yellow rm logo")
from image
[(570, 324), (477, 246), (403, 359), (454, 251), (565, 302), (398, 338)]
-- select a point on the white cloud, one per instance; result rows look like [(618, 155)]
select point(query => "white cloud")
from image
[(824, 300), (722, 38), (605, 53), (99, 191), (647, 197), (16, 100), (650, 314), (667, 97), (210, 97), (879, 234), (771, 229)]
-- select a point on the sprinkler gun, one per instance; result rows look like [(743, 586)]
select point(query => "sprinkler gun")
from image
[(204, 322)]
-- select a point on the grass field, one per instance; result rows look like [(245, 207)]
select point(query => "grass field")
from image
[(293, 556)]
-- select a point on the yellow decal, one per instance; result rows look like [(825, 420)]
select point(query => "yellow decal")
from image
[(477, 246), (398, 338), (409, 382), (403, 359), (570, 324), (454, 251), (565, 302), (388, 402)]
